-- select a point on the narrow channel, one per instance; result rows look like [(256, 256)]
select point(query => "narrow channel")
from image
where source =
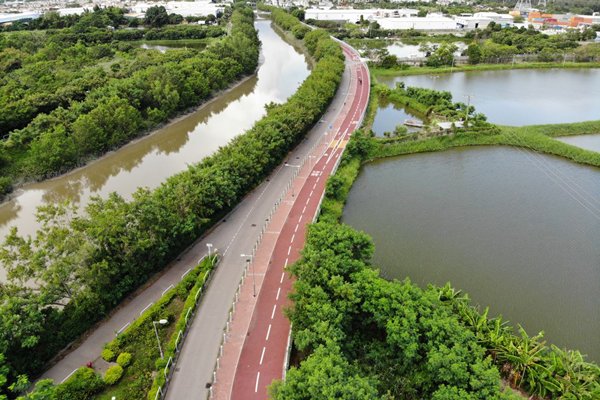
[(150, 160)]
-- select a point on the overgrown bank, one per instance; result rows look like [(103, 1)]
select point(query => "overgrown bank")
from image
[(361, 336), (94, 260), (70, 96), (480, 67), (431, 102)]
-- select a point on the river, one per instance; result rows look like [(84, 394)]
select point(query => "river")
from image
[(516, 231), (520, 97), (150, 160)]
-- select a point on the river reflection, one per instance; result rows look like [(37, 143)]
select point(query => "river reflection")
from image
[(498, 224), (149, 161)]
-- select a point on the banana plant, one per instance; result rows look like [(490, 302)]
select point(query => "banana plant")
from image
[(576, 378), (525, 355)]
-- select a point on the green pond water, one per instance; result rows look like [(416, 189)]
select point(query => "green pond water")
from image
[(516, 231)]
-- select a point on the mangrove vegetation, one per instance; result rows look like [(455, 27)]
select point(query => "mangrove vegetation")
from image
[(83, 265), (69, 95)]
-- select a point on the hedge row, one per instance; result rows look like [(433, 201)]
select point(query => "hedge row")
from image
[(136, 346), (120, 244), (181, 325)]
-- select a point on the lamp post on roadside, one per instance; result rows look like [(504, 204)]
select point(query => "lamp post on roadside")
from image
[(209, 245), (292, 166), (250, 259), (162, 322)]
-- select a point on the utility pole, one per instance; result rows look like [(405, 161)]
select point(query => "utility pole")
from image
[(523, 5), (468, 96)]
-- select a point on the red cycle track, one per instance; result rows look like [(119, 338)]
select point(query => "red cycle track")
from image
[(264, 351)]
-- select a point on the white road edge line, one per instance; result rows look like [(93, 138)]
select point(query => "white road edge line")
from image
[(168, 287), (145, 308), (68, 376), (185, 273), (278, 292), (257, 379), (268, 333), (273, 312), (123, 328), (282, 275), (262, 356)]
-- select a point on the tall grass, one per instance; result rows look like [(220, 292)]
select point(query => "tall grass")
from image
[(478, 67)]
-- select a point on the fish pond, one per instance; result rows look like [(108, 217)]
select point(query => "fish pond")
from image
[(518, 231), (520, 97)]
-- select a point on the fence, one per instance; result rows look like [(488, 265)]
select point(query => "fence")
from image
[(236, 297), (182, 334)]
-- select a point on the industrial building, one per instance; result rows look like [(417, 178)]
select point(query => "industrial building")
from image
[(433, 23), (482, 19), (353, 16), (561, 21)]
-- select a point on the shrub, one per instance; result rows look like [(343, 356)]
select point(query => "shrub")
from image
[(113, 374), (82, 385), (124, 359), (300, 31), (5, 185), (108, 355)]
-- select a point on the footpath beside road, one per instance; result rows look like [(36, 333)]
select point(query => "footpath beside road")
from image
[(256, 342)]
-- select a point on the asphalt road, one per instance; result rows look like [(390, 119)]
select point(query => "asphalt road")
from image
[(235, 235), (264, 351), (199, 353)]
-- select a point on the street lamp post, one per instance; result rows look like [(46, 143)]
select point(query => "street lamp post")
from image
[(249, 259), (162, 322), (209, 245), (292, 166)]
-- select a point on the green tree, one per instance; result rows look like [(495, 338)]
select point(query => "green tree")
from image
[(474, 53), (156, 16), (325, 374), (443, 55), (44, 390), (110, 124)]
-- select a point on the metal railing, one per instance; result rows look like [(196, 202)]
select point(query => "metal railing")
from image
[(182, 334)]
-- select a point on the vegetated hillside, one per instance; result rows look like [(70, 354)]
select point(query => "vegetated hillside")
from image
[(96, 259), (574, 6), (70, 94)]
